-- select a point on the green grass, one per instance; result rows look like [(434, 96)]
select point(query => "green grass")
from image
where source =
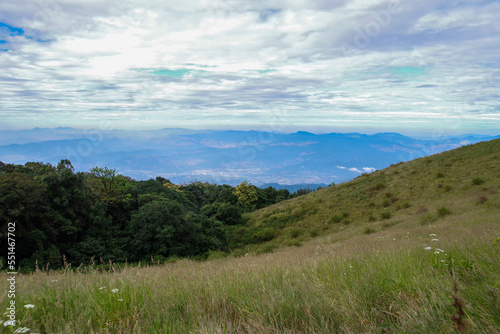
[(451, 183), (385, 282), (354, 272)]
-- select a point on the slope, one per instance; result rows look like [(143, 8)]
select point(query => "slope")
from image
[(461, 185)]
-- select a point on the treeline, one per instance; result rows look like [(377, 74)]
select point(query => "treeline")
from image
[(63, 215)]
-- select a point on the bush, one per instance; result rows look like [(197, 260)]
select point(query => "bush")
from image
[(385, 215), (368, 230), (477, 181), (265, 234), (428, 219), (336, 219), (443, 211), (313, 233), (267, 248), (295, 232)]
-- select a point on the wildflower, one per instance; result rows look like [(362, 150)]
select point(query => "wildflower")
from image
[(428, 248), (120, 300), (102, 287), (432, 235), (29, 305), (54, 280), (435, 240), (114, 290), (393, 238), (439, 250), (22, 330)]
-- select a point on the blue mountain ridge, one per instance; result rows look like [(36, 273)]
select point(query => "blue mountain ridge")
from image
[(224, 156)]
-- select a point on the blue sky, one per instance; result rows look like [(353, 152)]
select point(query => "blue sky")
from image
[(416, 67)]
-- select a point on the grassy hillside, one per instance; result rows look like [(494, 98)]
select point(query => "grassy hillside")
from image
[(411, 249), (463, 184)]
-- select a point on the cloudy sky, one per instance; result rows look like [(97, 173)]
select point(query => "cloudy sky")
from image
[(427, 66)]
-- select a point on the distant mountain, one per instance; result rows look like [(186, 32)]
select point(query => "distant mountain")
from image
[(223, 156)]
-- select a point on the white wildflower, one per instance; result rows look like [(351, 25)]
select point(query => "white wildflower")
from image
[(432, 235), (115, 290), (102, 287), (54, 280), (120, 300), (428, 248), (29, 305), (435, 240), (22, 330)]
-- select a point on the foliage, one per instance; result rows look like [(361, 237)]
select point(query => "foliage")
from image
[(246, 193), (104, 215)]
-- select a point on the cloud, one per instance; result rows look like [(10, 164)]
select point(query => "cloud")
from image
[(222, 63)]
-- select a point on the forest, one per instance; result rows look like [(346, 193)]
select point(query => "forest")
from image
[(65, 217)]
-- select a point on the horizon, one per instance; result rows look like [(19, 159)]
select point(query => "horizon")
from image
[(421, 134)]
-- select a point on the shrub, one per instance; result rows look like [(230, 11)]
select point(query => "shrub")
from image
[(428, 219), (267, 248), (368, 230), (295, 232), (335, 219), (378, 186), (298, 212), (386, 203), (443, 211), (385, 215), (313, 233), (404, 205), (265, 234), (477, 181)]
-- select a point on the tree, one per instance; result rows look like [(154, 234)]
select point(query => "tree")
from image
[(108, 186), (246, 193), (225, 212)]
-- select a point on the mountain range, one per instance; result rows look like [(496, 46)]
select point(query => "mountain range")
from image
[(230, 157)]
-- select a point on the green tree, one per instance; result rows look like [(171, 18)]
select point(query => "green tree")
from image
[(225, 212), (246, 194), (108, 186)]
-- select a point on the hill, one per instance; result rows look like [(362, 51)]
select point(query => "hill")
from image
[(460, 184)]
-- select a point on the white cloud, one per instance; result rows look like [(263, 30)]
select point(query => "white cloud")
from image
[(354, 169), (78, 63)]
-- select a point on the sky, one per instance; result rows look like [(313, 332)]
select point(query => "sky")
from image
[(415, 67)]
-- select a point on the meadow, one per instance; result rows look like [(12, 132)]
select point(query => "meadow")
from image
[(398, 281)]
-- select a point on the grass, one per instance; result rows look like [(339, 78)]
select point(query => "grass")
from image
[(422, 191), (327, 262), (385, 282)]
